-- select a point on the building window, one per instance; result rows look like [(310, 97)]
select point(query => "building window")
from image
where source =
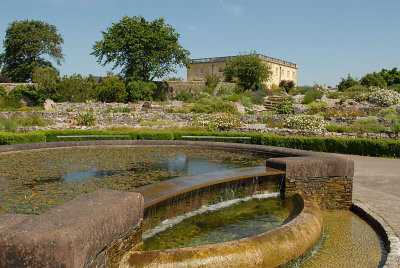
[(282, 73), (201, 70), (220, 69), (276, 70), (293, 75), (288, 74)]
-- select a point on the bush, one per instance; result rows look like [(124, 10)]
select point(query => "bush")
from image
[(387, 113), (357, 88), (3, 91), (140, 90), (347, 83), (246, 102), (311, 96), (318, 104), (74, 88), (338, 113), (395, 87), (223, 121), (287, 85), (302, 90), (285, 106), (9, 124), (112, 89), (47, 78), (15, 138), (256, 97), (384, 97), (373, 80), (184, 96), (366, 126), (86, 119), (272, 122), (212, 81), (32, 120), (306, 122), (336, 128), (208, 105), (395, 127)]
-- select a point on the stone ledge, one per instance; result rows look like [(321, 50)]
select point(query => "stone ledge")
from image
[(71, 234)]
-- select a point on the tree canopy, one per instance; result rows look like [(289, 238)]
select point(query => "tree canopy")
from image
[(144, 49), (25, 46), (347, 83), (247, 69)]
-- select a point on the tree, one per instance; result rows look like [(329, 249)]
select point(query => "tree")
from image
[(248, 69), (145, 50), (391, 76), (26, 44), (47, 79), (373, 80), (346, 83), (112, 89)]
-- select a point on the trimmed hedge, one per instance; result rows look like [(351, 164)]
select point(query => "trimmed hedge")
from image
[(388, 148)]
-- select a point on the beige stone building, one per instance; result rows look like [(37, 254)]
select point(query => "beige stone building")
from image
[(281, 70)]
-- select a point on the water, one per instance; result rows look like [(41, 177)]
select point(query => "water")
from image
[(225, 221)]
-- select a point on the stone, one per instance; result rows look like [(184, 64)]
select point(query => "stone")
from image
[(49, 105), (240, 108), (299, 109)]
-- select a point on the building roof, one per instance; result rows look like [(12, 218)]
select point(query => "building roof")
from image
[(224, 59)]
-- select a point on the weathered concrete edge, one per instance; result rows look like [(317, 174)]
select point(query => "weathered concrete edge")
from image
[(390, 239), (269, 249)]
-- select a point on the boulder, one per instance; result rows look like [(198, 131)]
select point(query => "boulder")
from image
[(49, 105)]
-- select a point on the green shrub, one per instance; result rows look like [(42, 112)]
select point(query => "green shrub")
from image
[(373, 80), (234, 97), (74, 88), (34, 119), (209, 90), (86, 118), (16, 138), (9, 124), (311, 96), (301, 90), (318, 104), (246, 102), (239, 89), (272, 122), (224, 91), (285, 107), (212, 81), (347, 83), (287, 85), (306, 122), (387, 113), (357, 88), (112, 89), (209, 105), (337, 128), (3, 91), (395, 87), (256, 97), (384, 97), (395, 127), (366, 126), (155, 135), (140, 90), (218, 121), (314, 110), (184, 96), (151, 123)]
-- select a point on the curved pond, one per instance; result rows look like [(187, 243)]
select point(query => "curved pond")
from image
[(35, 181)]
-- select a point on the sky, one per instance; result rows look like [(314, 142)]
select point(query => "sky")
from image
[(328, 39)]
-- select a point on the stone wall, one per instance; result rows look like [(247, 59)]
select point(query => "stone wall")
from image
[(173, 88)]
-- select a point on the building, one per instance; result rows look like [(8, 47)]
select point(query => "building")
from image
[(281, 70)]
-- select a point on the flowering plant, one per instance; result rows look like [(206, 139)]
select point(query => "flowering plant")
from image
[(384, 97), (306, 122), (215, 121)]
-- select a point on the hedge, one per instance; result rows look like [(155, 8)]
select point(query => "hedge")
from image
[(388, 148)]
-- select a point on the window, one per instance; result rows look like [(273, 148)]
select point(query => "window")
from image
[(288, 74), (220, 69), (276, 70), (201, 70), (293, 75), (282, 73)]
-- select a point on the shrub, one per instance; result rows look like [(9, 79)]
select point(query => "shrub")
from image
[(395, 127), (140, 90), (212, 81), (302, 90), (223, 121), (387, 113), (246, 102), (16, 138), (74, 88), (336, 128), (373, 80), (306, 122), (9, 124), (311, 96), (184, 96), (314, 110), (112, 89), (86, 119), (318, 104), (208, 105), (32, 120), (3, 91), (287, 85), (347, 83), (234, 97), (338, 113), (285, 106), (395, 87), (272, 122), (256, 97), (356, 88), (384, 97), (224, 91), (366, 126)]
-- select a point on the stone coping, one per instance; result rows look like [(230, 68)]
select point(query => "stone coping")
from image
[(269, 249), (72, 234)]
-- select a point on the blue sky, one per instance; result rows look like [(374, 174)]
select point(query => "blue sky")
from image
[(326, 38)]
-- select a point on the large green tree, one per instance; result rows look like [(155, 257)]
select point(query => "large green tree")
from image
[(29, 44), (145, 50), (247, 69)]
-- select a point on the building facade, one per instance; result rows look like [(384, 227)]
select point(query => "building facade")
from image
[(281, 70)]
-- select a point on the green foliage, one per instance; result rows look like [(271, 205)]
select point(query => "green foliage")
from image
[(140, 90), (234, 97), (208, 105), (311, 96), (395, 87), (391, 77), (212, 81), (337, 128), (395, 127), (112, 89), (306, 122), (75, 88), (16, 138), (272, 122), (9, 124), (256, 97), (318, 104), (155, 135), (218, 121), (86, 118), (287, 85), (34, 119), (151, 123), (3, 91), (27, 45), (13, 98), (239, 89), (246, 102), (302, 90), (373, 80), (285, 107), (248, 69), (47, 78), (346, 83), (145, 50), (366, 126), (184, 96), (387, 113)]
